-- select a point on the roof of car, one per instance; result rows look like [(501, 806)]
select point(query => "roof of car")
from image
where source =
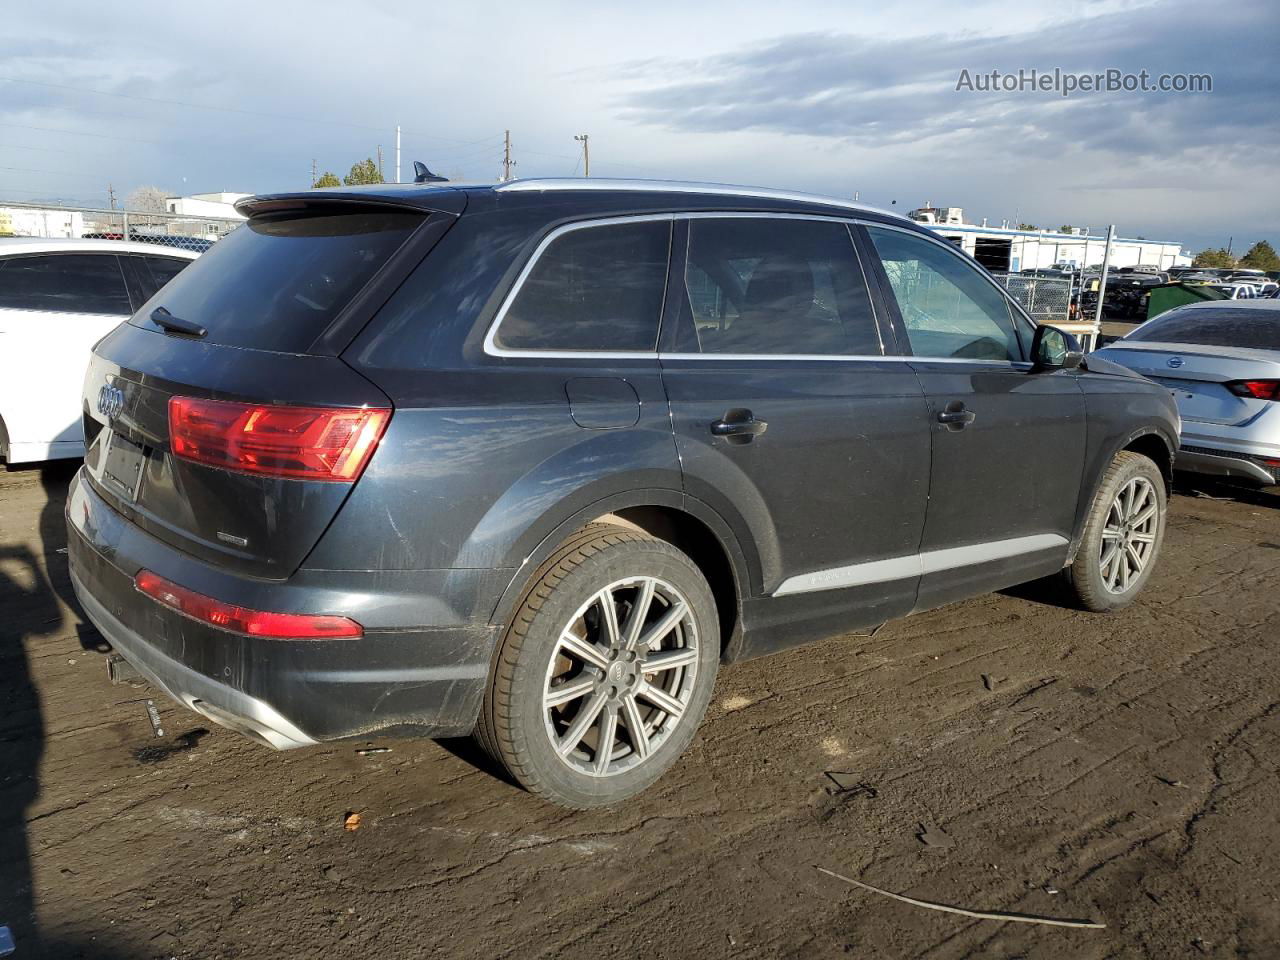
[(448, 196), (1255, 303), (16, 245)]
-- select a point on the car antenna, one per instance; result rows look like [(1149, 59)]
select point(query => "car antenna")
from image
[(422, 175)]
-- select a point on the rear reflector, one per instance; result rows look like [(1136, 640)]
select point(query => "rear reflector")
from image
[(254, 623), (1258, 389), (306, 443)]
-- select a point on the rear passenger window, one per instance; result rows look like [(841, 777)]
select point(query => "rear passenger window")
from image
[(164, 269), (65, 282), (593, 288), (948, 307), (771, 286)]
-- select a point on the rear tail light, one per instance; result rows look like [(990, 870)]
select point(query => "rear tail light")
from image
[(307, 443), (254, 623), (1258, 389)]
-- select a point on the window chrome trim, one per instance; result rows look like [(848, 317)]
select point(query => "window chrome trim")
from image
[(491, 346), (918, 564)]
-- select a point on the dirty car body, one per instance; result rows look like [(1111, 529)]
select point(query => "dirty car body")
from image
[(820, 486)]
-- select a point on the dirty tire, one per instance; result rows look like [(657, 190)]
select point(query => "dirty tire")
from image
[(520, 731), (1101, 587)]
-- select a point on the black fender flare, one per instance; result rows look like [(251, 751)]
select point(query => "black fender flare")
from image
[(1117, 445), (743, 562)]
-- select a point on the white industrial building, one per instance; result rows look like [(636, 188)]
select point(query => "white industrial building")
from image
[(1006, 250), (206, 205), (34, 221)]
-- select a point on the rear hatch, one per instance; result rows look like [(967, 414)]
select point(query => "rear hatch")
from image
[(238, 441), (1201, 377)]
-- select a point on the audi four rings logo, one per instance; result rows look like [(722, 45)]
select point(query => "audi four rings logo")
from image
[(1174, 362), (110, 401)]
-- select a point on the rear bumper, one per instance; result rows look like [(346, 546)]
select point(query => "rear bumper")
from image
[(427, 678), (1222, 463)]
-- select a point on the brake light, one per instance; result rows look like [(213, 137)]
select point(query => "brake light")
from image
[(307, 443), (254, 623), (1258, 389)]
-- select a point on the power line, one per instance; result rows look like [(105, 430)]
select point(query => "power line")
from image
[(62, 173), (206, 106), (81, 133)]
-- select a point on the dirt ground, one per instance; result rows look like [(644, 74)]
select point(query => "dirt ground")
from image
[(1003, 754)]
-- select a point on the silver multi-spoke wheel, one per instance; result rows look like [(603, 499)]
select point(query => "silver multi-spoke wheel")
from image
[(1129, 534), (605, 670), (621, 676)]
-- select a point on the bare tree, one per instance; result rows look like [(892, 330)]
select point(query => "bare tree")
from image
[(147, 199)]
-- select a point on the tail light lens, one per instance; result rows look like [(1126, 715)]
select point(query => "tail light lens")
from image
[(254, 623), (307, 443), (1258, 389)]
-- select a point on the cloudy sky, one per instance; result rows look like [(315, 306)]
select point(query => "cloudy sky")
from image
[(833, 97)]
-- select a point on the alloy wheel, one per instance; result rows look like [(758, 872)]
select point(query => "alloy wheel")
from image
[(1129, 535), (621, 676)]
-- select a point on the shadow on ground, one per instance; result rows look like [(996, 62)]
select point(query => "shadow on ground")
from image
[(35, 592)]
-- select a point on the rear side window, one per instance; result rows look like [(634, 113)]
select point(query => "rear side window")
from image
[(164, 269), (594, 288), (773, 285), (948, 307), (278, 282), (65, 282), (1241, 327)]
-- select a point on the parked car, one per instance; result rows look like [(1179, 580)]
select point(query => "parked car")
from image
[(58, 298), (1221, 360), (1125, 296), (533, 459), (1236, 291)]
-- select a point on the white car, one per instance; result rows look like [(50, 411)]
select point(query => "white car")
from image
[(57, 299)]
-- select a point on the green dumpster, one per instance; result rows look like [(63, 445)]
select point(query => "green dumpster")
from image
[(1166, 296)]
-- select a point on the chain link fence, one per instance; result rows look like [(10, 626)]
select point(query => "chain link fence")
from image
[(1046, 299), (182, 231)]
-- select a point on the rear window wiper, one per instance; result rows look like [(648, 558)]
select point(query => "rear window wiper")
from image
[(163, 318)]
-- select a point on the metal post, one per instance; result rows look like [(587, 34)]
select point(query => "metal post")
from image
[(1102, 281), (397, 153), (125, 230)]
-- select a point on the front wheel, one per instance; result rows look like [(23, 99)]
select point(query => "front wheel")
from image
[(605, 671), (1122, 536)]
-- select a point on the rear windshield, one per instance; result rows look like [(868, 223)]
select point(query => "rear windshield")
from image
[(277, 282), (1235, 327)]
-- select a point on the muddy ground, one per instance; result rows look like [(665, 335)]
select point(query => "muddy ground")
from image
[(1004, 754)]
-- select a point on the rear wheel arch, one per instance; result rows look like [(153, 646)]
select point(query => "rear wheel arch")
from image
[(664, 515)]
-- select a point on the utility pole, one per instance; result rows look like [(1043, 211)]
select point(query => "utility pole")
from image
[(397, 153), (313, 173), (379, 160), (507, 162), (1102, 281), (586, 154), (111, 195)]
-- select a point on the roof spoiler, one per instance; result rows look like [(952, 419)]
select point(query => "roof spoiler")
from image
[(391, 196)]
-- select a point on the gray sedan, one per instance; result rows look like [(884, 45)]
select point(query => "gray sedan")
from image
[(1221, 360)]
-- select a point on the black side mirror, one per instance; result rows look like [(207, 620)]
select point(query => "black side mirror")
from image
[(1054, 349)]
